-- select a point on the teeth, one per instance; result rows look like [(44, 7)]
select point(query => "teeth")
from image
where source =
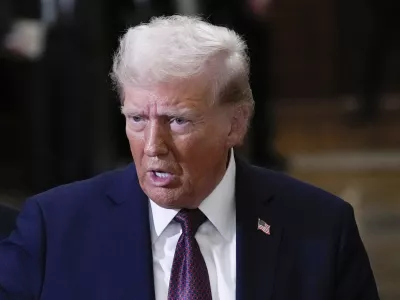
[(161, 174)]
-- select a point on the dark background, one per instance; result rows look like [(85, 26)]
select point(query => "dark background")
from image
[(332, 75)]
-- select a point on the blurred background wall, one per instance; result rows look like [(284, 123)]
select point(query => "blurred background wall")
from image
[(326, 77)]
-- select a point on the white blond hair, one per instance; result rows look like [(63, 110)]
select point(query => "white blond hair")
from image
[(181, 47)]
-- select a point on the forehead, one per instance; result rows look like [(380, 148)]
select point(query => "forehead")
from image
[(185, 94)]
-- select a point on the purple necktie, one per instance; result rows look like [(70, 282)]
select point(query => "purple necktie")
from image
[(189, 275)]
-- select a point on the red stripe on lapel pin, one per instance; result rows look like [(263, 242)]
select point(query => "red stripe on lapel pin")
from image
[(264, 227)]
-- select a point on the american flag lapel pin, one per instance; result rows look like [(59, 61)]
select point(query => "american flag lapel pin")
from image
[(264, 227)]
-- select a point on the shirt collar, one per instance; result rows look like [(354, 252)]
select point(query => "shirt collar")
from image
[(219, 207)]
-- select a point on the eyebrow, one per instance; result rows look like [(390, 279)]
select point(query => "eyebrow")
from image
[(127, 111), (185, 112)]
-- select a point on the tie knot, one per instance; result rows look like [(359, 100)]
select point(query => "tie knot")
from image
[(190, 220)]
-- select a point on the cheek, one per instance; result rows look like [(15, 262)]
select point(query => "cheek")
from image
[(136, 144), (199, 151), (193, 145), (133, 136)]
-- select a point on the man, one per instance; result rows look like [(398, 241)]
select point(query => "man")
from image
[(189, 220), (8, 218)]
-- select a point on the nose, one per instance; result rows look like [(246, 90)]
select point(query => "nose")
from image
[(155, 140)]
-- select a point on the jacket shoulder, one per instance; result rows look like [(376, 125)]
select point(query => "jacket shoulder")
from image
[(85, 191), (300, 200)]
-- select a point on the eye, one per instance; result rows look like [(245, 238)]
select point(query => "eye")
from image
[(136, 122), (135, 119), (179, 121), (180, 125)]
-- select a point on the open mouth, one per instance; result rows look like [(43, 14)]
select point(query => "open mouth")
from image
[(161, 174), (161, 178)]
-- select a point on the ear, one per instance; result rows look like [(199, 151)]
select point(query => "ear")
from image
[(239, 123)]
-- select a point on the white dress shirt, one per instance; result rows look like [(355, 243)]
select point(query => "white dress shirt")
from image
[(216, 238)]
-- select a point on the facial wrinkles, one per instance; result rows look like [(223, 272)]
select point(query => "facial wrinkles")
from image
[(148, 108), (189, 153), (165, 106), (152, 105)]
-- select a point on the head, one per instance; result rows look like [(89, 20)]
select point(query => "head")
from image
[(184, 87)]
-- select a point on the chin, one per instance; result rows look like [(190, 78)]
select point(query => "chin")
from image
[(169, 198), (167, 203), (162, 196)]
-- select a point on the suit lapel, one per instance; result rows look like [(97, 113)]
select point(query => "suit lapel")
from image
[(257, 252), (133, 209)]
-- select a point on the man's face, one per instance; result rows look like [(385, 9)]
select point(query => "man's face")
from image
[(179, 141)]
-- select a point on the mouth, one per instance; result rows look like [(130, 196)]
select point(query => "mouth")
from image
[(161, 178), (161, 174)]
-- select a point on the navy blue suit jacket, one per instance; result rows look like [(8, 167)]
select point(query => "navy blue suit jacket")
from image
[(91, 241)]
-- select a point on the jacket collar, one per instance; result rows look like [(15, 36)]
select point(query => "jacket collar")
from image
[(257, 252)]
